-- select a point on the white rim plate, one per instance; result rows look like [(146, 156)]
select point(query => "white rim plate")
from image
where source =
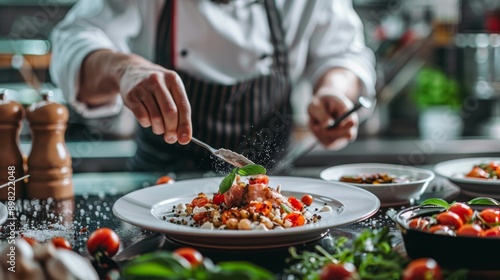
[(455, 171), (145, 207), (390, 194)]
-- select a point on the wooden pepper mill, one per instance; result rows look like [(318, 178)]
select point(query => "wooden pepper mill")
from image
[(49, 162), (11, 157)]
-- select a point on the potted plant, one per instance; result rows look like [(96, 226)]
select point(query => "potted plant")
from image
[(439, 100)]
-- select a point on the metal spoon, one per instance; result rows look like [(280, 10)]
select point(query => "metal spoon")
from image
[(228, 156), (363, 102)]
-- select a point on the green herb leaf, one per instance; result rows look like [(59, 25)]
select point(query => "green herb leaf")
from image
[(437, 202), (286, 208), (242, 270), (251, 169), (227, 182), (484, 200), (154, 266)]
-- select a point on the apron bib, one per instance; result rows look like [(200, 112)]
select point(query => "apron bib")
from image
[(252, 117)]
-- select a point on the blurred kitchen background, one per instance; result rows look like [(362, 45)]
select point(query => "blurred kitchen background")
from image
[(438, 65)]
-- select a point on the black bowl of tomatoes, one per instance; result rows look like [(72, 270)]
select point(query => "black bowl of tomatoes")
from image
[(457, 235)]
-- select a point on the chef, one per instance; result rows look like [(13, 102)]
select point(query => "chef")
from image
[(221, 71)]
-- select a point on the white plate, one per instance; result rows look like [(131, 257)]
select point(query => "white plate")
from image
[(390, 194), (455, 171), (145, 207)]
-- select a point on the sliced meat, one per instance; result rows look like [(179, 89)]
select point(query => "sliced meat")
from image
[(265, 193), (235, 196)]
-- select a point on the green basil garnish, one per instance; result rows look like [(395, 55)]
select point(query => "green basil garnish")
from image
[(227, 183), (251, 169), (436, 201), (484, 200), (247, 170)]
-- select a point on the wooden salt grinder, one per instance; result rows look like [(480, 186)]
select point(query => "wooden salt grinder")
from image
[(11, 157), (49, 162)]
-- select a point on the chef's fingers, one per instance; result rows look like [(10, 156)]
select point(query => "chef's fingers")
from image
[(318, 113), (345, 131), (133, 101), (166, 105), (176, 87), (324, 109), (150, 101)]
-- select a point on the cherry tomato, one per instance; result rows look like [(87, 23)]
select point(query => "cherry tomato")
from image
[(463, 210), (201, 218), (478, 172), (259, 179), (470, 230), (307, 199), (218, 198), (450, 219), (61, 242), (441, 229), (103, 240), (341, 271), (418, 223), (422, 269), (492, 232), (493, 165), (297, 205), (164, 180), (490, 215), (199, 201), (194, 257), (263, 208), (30, 241), (295, 218)]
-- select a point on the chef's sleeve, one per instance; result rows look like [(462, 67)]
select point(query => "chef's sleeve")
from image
[(90, 25), (338, 41)]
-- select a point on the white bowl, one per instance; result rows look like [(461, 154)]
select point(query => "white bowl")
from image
[(389, 194), (455, 171)]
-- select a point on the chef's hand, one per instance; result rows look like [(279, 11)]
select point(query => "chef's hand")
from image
[(157, 98), (323, 110)]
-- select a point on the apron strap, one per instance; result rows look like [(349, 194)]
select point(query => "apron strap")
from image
[(277, 36), (164, 36)]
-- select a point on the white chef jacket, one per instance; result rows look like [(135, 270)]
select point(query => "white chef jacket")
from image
[(221, 43)]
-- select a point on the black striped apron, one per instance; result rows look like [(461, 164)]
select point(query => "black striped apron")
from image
[(252, 117)]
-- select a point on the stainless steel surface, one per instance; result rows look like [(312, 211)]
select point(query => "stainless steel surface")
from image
[(228, 156), (402, 151), (95, 155), (24, 46)]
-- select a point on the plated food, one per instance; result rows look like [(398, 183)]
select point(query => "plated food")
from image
[(392, 184), (474, 176), (375, 179), (448, 232), (249, 204), (460, 219), (147, 207), (488, 170)]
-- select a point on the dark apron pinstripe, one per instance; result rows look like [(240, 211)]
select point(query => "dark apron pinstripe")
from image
[(252, 117)]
